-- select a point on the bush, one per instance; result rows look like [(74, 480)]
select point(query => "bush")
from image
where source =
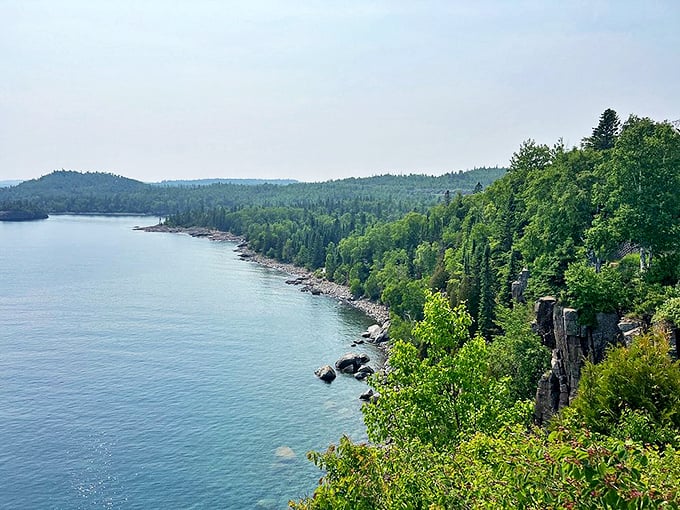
[(669, 312), (513, 469), (518, 353), (632, 385), (591, 292)]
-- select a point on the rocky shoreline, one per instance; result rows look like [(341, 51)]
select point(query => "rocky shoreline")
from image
[(304, 278)]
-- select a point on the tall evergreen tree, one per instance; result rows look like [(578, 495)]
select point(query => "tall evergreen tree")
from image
[(605, 133)]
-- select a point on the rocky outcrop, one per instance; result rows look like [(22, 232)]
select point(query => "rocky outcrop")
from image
[(543, 323), (572, 344), (630, 329), (325, 373), (351, 362), (519, 286), (213, 235)]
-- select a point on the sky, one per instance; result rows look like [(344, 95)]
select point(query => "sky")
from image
[(319, 90)]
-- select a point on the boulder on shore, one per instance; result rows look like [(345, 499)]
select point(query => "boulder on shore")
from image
[(363, 372), (350, 362), (373, 331), (325, 373), (377, 334), (369, 396)]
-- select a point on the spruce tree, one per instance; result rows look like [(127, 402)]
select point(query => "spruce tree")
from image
[(605, 134)]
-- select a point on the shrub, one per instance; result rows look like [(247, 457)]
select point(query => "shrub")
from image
[(633, 384), (591, 292)]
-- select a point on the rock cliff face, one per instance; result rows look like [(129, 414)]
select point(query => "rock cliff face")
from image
[(572, 344)]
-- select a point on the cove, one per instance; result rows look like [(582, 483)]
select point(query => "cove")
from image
[(160, 371)]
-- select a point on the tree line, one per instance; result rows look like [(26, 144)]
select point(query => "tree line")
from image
[(596, 225), (65, 191)]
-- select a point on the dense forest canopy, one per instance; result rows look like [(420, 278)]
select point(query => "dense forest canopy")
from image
[(96, 192)]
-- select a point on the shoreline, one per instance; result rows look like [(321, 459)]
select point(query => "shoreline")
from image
[(303, 277)]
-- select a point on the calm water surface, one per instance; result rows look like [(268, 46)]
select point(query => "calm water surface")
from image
[(146, 370)]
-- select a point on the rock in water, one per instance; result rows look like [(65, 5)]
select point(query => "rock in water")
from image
[(325, 373), (363, 372), (350, 362)]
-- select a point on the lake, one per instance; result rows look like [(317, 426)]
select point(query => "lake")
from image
[(149, 370)]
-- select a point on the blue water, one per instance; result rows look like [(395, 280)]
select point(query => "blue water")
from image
[(147, 370)]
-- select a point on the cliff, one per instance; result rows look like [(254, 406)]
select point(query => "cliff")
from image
[(572, 344)]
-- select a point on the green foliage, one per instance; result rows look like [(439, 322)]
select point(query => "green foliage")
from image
[(669, 311), (638, 197), (443, 328), (569, 216), (591, 292), (96, 192), (446, 396), (633, 385), (512, 469), (518, 354)]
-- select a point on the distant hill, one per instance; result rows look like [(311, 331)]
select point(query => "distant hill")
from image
[(68, 182), (208, 182), (96, 192)]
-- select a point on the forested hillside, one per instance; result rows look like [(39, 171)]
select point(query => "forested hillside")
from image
[(95, 192), (564, 213), (596, 226)]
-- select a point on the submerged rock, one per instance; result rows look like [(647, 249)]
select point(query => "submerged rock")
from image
[(285, 453)]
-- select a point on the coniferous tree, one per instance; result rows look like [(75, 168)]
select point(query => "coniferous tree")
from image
[(605, 133)]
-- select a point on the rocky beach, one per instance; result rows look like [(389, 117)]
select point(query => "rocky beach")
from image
[(302, 277)]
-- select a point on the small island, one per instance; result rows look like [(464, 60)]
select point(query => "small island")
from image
[(22, 215)]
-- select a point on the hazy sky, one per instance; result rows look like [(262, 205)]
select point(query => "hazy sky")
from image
[(316, 90)]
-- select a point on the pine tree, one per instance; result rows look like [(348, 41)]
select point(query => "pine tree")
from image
[(605, 134)]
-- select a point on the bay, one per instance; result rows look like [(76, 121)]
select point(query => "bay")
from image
[(148, 370)]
